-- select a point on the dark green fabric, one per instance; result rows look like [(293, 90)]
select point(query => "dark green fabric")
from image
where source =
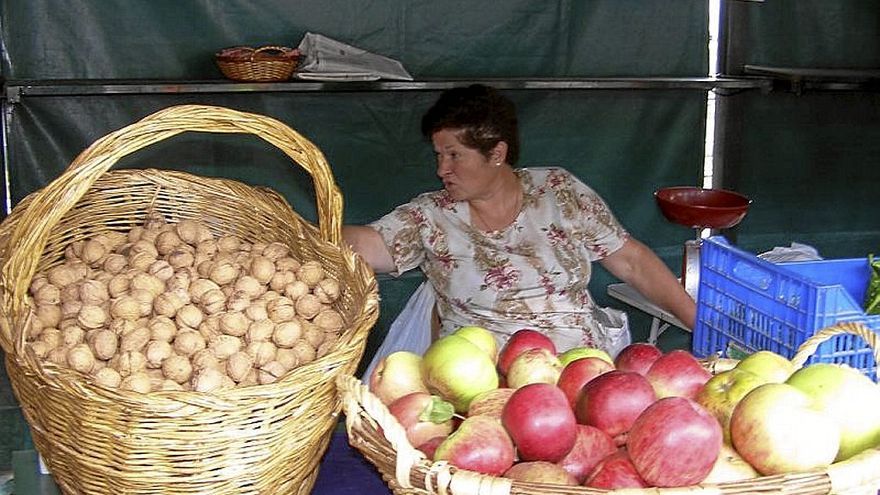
[(811, 162), (47, 39), (840, 34)]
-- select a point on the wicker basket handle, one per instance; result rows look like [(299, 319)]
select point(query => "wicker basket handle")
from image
[(31, 233), (811, 344)]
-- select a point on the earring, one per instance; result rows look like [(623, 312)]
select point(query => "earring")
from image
[(497, 164)]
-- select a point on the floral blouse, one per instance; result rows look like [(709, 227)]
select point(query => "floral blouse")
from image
[(531, 274)]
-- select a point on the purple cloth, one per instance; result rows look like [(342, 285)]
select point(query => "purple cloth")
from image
[(345, 471)]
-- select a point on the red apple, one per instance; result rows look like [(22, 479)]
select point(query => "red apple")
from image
[(638, 357), (428, 448), (578, 372), (540, 472), (677, 374), (479, 444), (522, 340), (490, 402), (592, 445), (615, 471), (423, 416), (612, 401), (396, 375), (540, 422), (536, 365), (675, 442)]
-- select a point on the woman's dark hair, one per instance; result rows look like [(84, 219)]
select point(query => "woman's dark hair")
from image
[(484, 116)]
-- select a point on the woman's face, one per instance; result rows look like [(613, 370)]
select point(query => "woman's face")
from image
[(466, 173)]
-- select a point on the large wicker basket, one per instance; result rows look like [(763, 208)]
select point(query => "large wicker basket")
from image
[(380, 438), (265, 439)]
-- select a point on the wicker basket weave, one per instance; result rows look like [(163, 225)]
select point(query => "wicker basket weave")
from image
[(263, 64), (380, 438), (264, 439)]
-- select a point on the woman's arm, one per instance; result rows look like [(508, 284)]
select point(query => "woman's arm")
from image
[(369, 244), (638, 266)]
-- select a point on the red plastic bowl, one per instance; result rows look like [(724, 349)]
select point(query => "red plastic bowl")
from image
[(702, 208)]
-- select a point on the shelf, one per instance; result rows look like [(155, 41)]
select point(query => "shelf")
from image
[(800, 78), (15, 90)]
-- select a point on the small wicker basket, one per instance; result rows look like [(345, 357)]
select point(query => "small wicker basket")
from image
[(382, 440), (263, 439), (264, 64)]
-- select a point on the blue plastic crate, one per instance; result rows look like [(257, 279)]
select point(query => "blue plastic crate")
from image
[(746, 304)]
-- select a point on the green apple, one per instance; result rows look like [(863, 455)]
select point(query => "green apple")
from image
[(458, 370), (582, 352), (773, 367), (723, 392), (777, 429), (482, 338), (396, 375), (847, 396)]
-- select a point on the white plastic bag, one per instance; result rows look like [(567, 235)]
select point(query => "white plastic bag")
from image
[(615, 324), (325, 59), (411, 330)]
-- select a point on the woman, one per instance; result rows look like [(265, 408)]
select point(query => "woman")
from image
[(508, 248)]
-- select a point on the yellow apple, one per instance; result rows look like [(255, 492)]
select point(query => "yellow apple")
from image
[(773, 367), (396, 375), (482, 338), (847, 396), (722, 393), (582, 352), (730, 467), (458, 370)]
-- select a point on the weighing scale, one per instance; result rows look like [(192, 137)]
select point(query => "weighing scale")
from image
[(699, 208)]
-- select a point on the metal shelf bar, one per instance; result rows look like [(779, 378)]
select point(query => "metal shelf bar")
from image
[(15, 90)]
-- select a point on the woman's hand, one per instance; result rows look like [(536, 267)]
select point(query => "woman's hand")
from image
[(369, 244), (638, 266)]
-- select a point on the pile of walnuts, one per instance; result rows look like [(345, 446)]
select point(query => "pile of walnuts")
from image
[(172, 307)]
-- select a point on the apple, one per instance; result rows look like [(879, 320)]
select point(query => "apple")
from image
[(533, 366), (540, 422), (613, 400), (490, 402), (677, 374), (396, 375), (540, 472), (638, 357), (522, 340), (423, 416), (591, 446), (615, 471), (480, 337), (730, 467), (848, 397), (674, 442), (480, 444), (578, 372), (778, 429), (724, 391), (458, 371), (583, 352), (429, 447), (773, 367)]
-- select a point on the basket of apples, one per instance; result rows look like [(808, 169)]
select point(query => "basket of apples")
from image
[(468, 418)]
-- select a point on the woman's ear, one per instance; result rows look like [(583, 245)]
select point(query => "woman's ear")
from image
[(499, 153)]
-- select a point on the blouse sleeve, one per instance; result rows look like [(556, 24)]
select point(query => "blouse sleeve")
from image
[(400, 229), (601, 232)]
